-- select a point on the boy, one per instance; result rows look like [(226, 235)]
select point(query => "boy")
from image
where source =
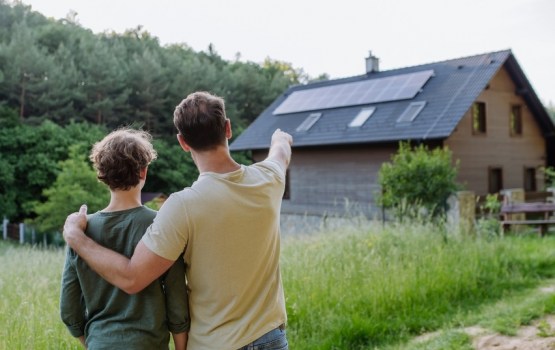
[(101, 315)]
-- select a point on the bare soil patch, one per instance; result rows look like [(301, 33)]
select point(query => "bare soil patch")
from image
[(540, 335)]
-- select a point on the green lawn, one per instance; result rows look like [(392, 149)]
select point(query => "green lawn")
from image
[(358, 288)]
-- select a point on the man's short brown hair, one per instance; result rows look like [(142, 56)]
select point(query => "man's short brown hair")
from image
[(120, 157), (200, 119)]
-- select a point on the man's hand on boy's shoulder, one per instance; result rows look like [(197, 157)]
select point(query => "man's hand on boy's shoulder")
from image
[(75, 225)]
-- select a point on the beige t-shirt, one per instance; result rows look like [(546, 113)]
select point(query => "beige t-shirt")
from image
[(228, 225)]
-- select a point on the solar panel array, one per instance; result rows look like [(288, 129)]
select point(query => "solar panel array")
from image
[(399, 87)]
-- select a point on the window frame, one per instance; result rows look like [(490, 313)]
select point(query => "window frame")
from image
[(532, 179), (480, 118), (515, 128), (287, 190), (361, 118), (491, 172), (309, 122), (415, 108)]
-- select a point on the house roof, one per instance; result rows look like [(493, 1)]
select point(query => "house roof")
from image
[(447, 95)]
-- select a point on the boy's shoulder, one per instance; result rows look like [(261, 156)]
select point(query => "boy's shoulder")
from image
[(140, 213)]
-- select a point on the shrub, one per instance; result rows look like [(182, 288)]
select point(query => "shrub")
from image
[(418, 178), (549, 176)]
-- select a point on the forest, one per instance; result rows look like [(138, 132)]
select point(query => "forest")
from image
[(62, 87)]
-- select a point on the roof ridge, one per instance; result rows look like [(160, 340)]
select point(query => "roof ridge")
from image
[(366, 75)]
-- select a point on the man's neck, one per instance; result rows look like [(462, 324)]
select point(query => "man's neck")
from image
[(123, 200), (216, 161)]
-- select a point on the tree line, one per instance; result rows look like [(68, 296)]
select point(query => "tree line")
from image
[(63, 87)]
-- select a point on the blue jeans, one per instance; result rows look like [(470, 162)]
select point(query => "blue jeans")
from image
[(273, 340)]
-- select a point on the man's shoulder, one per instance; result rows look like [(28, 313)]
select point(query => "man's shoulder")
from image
[(271, 165)]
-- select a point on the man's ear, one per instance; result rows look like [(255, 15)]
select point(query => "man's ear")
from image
[(183, 143), (228, 131)]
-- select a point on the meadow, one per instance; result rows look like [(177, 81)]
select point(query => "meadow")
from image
[(364, 287)]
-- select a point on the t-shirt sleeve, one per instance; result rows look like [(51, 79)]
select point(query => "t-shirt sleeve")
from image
[(72, 308), (274, 167), (168, 234), (177, 298)]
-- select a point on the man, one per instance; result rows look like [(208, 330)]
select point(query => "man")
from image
[(227, 225)]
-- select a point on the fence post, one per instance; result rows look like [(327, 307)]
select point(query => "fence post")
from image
[(462, 211), (21, 233), (33, 235), (515, 195), (5, 223)]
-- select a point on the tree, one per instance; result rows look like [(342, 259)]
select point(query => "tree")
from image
[(149, 90), (25, 69), (418, 178), (172, 171), (104, 78), (30, 160), (62, 92), (75, 184)]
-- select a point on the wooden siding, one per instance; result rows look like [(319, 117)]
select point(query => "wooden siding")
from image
[(496, 148), (334, 180)]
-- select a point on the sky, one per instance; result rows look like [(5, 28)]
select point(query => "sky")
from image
[(335, 37)]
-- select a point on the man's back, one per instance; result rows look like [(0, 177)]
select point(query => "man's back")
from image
[(230, 225)]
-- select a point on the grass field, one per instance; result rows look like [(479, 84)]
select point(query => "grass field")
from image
[(357, 288)]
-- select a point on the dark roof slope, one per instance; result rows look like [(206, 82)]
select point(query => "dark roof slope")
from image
[(448, 95)]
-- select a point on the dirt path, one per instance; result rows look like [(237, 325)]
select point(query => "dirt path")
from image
[(540, 335)]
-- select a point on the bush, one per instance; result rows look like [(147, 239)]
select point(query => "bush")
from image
[(418, 179), (549, 177)]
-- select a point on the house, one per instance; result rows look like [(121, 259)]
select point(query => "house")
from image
[(156, 199), (481, 107)]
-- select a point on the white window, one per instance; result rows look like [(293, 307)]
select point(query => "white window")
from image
[(309, 122), (362, 117), (411, 112)]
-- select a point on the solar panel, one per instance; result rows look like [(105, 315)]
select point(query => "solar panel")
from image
[(399, 87)]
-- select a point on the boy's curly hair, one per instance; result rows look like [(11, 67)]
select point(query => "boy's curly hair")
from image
[(120, 157)]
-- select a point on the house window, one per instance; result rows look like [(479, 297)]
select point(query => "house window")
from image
[(411, 112), (515, 120), (495, 180), (530, 180), (479, 118), (362, 117), (309, 122), (287, 192)]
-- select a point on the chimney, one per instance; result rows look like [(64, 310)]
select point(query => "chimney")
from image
[(372, 63)]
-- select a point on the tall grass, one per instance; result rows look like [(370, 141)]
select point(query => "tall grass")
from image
[(29, 299), (364, 288)]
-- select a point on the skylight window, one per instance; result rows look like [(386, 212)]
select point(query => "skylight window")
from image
[(411, 112), (309, 122), (362, 117)]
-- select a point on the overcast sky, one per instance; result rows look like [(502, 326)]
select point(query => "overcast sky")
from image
[(334, 37)]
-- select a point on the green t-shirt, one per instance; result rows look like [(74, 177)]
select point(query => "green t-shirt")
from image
[(107, 316)]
